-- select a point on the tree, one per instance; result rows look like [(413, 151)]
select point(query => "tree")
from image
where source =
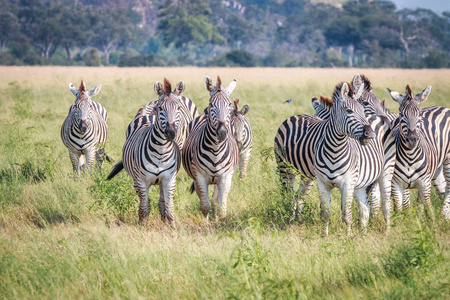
[(186, 22), (9, 29), (110, 28), (41, 24)]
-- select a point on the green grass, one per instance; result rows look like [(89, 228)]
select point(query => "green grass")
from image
[(68, 237)]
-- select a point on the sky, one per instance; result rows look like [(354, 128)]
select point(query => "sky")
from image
[(437, 6)]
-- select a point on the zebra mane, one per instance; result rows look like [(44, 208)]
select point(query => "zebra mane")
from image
[(219, 83), (82, 87), (338, 88), (326, 102), (167, 86), (366, 82), (409, 92)]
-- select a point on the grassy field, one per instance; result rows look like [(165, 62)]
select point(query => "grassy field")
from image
[(65, 237)]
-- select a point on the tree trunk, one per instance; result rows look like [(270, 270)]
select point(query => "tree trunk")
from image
[(69, 52)]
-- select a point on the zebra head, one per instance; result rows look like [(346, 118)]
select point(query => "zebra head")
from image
[(82, 108), (167, 110), (409, 110), (320, 111), (238, 121), (220, 106), (347, 114), (363, 94)]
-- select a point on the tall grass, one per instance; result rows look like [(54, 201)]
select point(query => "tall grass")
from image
[(69, 236)]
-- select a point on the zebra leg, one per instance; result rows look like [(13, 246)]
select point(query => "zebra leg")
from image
[(214, 202), (346, 206), (75, 159), (223, 188), (243, 163), (406, 199), (144, 202), (90, 157), (374, 200), (446, 203), (439, 183), (201, 187), (304, 188), (385, 186), (162, 204), (363, 206), (99, 154), (397, 196), (424, 194), (166, 190), (325, 199)]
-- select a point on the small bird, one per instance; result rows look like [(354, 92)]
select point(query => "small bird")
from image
[(288, 101)]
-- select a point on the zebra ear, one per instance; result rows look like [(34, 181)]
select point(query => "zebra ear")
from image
[(73, 89), (423, 95), (209, 85), (245, 109), (159, 88), (358, 86), (396, 95), (357, 81), (94, 91), (344, 91), (179, 89), (230, 88)]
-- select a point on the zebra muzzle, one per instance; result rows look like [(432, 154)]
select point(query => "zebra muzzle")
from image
[(367, 136), (170, 132), (411, 139), (222, 131), (83, 126)]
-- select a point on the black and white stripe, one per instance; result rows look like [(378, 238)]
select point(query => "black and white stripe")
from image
[(84, 132), (438, 125), (150, 154), (211, 152), (243, 134), (423, 150), (352, 165)]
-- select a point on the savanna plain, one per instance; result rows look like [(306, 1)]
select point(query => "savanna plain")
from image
[(64, 236)]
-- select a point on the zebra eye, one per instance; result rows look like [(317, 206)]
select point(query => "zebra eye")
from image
[(349, 110), (365, 103)]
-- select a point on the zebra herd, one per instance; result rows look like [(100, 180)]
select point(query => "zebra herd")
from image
[(355, 144), (163, 132), (352, 142)]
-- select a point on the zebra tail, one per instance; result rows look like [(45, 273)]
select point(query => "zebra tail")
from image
[(117, 168), (192, 188)]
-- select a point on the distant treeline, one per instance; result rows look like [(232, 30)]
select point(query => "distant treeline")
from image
[(248, 33)]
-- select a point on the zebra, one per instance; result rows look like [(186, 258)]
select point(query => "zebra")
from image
[(188, 112), (211, 152), (423, 152), (295, 144), (243, 134), (150, 154), (352, 165), (84, 131), (434, 114)]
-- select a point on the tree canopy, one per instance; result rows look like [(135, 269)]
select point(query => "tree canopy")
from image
[(222, 32)]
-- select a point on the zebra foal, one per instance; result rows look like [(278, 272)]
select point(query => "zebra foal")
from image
[(150, 154), (84, 131), (211, 152), (243, 134)]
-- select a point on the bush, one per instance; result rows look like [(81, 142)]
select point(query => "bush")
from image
[(141, 61), (235, 58)]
